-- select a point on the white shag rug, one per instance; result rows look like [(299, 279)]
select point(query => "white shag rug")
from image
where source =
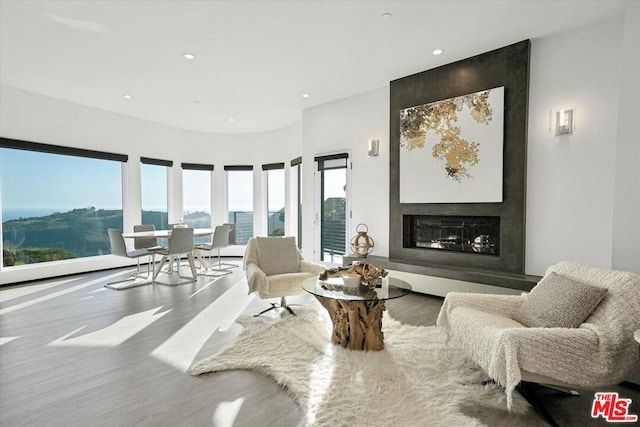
[(418, 379)]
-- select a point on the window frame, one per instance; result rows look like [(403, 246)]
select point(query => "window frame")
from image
[(240, 168), (266, 169), (60, 150), (204, 168)]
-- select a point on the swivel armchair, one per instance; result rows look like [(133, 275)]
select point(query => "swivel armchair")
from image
[(275, 268)]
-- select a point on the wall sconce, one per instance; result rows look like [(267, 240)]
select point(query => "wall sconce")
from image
[(374, 147), (562, 121)]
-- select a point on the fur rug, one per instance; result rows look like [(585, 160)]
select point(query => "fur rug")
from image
[(418, 379)]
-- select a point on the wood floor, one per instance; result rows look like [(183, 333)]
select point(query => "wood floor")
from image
[(73, 353)]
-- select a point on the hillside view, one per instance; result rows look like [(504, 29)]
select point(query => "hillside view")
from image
[(82, 232), (73, 234)]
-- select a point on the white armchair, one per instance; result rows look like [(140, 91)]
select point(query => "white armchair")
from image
[(599, 352), (275, 268)]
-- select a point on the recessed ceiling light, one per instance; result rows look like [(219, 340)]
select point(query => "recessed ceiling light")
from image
[(305, 95), (386, 15), (125, 96), (232, 120), (438, 51), (189, 55), (196, 102)]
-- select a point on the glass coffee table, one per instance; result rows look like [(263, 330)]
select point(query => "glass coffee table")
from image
[(356, 312)]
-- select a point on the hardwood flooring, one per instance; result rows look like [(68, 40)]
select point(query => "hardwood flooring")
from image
[(73, 353)]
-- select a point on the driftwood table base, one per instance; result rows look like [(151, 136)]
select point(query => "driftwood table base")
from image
[(357, 325)]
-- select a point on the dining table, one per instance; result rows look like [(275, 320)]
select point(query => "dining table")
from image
[(166, 234)]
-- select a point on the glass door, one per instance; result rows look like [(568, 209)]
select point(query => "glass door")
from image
[(332, 207), (295, 180)]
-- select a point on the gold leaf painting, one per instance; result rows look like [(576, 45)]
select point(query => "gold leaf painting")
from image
[(450, 133), (442, 118)]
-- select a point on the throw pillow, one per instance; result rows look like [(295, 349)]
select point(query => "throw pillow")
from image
[(559, 302), (278, 255)]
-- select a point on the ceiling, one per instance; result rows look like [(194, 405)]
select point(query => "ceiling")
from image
[(254, 59)]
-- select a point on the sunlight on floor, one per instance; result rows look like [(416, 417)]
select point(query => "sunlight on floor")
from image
[(4, 340), (206, 285), (57, 294), (182, 347), (9, 294), (226, 413), (112, 335)]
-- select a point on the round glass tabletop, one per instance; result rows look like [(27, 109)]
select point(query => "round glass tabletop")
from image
[(390, 288)]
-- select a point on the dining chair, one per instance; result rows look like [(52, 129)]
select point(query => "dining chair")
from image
[(232, 232), (148, 243), (175, 259), (119, 248), (220, 240), (180, 242), (232, 241)]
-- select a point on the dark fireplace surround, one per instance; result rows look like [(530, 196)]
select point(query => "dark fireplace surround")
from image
[(435, 222)]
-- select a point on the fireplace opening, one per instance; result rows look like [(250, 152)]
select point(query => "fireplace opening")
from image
[(472, 234)]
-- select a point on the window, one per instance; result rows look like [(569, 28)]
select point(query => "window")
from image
[(332, 173), (240, 201), (153, 184), (196, 197), (274, 174), (57, 202), (296, 197)]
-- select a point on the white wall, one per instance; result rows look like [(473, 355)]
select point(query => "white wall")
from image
[(343, 125), (572, 179), (626, 208)]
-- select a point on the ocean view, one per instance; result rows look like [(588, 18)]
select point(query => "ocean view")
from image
[(9, 214)]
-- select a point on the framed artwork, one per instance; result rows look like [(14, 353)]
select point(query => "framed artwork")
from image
[(451, 151)]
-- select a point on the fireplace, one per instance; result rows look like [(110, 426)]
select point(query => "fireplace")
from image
[(508, 67), (470, 234)]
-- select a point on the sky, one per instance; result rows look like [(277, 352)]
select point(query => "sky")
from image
[(30, 180), (46, 183)]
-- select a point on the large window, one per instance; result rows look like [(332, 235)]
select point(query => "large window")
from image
[(154, 175), (57, 202), (274, 174), (196, 197), (240, 201)]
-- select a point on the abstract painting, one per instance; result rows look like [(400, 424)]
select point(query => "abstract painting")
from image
[(451, 150)]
